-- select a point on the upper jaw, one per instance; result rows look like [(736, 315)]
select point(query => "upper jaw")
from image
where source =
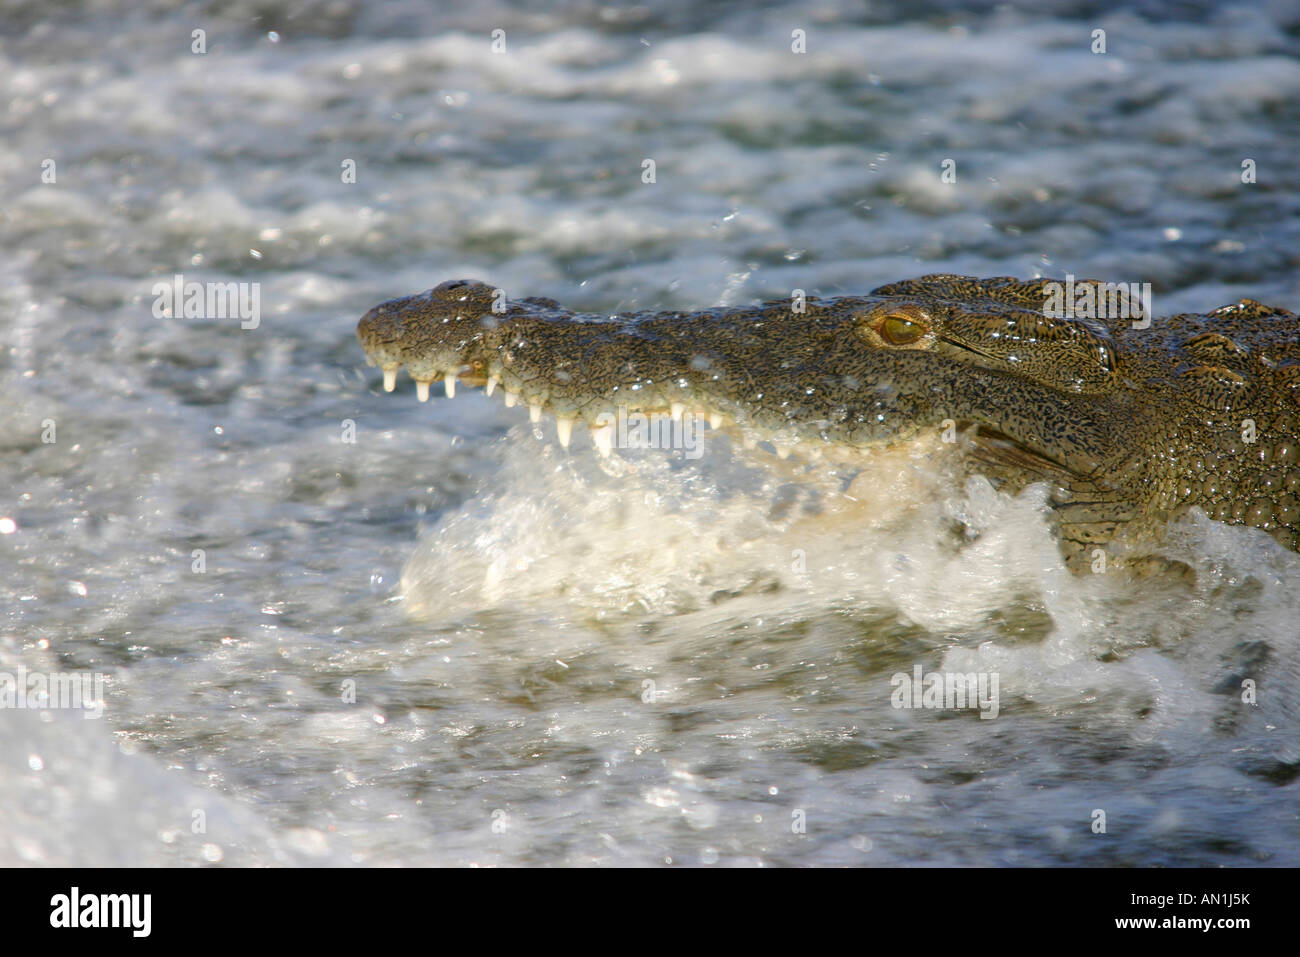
[(591, 370)]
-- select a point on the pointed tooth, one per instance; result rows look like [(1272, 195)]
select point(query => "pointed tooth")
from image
[(492, 384), (678, 409), (422, 389), (534, 412), (603, 438), (511, 399), (748, 441), (564, 430), (390, 378), (782, 450), (449, 380), (715, 421)]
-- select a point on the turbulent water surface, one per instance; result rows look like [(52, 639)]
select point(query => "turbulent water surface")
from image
[(660, 658)]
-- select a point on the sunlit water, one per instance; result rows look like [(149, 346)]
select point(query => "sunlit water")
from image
[(658, 658)]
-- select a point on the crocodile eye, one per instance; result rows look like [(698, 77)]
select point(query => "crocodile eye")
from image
[(900, 331)]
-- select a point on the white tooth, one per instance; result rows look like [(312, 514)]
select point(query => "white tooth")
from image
[(449, 380), (422, 389), (511, 399), (534, 412), (492, 384), (390, 378), (564, 430), (677, 410), (748, 441), (782, 450), (715, 420), (603, 438)]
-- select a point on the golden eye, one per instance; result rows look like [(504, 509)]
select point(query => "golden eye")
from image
[(900, 331)]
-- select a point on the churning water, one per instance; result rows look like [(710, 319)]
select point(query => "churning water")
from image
[(658, 658)]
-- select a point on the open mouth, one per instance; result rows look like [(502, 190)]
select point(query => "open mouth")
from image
[(608, 421), (679, 425)]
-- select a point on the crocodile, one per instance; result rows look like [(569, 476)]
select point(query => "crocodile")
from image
[(1130, 424)]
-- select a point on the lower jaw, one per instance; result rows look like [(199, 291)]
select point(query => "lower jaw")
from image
[(607, 425), (605, 422)]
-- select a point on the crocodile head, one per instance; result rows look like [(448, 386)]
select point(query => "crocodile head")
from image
[(1120, 422)]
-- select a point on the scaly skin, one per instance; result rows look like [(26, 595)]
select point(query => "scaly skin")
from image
[(1131, 427)]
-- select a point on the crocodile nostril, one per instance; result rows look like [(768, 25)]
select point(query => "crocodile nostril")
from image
[(453, 289)]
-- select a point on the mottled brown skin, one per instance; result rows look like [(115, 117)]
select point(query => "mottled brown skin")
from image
[(1130, 427)]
